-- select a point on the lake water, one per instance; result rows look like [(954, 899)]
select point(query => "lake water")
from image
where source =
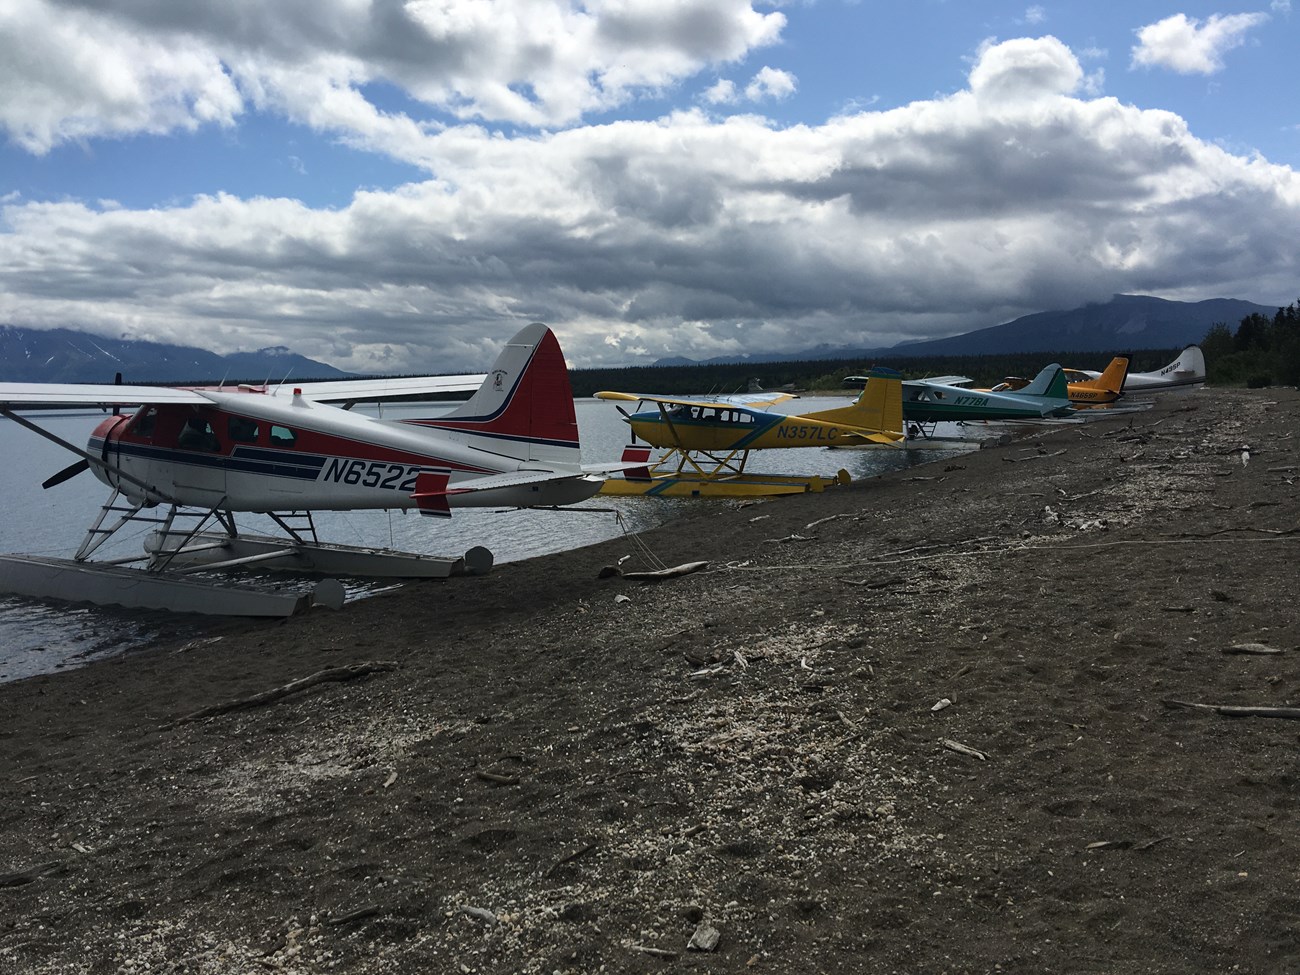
[(38, 637)]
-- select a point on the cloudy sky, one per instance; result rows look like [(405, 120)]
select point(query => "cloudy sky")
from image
[(398, 185)]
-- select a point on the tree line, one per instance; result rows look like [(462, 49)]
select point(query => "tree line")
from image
[(828, 375), (1261, 351)]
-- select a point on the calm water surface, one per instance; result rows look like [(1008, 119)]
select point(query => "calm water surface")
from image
[(37, 637)]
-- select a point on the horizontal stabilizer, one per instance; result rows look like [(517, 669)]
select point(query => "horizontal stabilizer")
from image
[(635, 463), (431, 493)]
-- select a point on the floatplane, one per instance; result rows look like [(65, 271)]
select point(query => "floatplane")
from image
[(930, 401), (189, 459), (1185, 373), (707, 442), (1085, 389)]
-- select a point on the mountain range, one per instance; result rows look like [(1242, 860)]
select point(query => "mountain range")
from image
[(1124, 324), (61, 355)]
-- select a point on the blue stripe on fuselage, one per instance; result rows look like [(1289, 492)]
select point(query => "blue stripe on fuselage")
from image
[(245, 459)]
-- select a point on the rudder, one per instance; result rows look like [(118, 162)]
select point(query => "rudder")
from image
[(879, 407), (524, 409)]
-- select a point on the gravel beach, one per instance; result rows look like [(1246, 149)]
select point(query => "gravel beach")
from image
[(927, 722)]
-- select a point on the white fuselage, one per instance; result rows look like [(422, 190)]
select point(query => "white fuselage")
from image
[(307, 455)]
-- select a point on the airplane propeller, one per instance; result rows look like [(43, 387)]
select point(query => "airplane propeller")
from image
[(627, 416), (72, 470)]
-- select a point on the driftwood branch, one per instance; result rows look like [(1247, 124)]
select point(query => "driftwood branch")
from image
[(328, 675), (1021, 460), (21, 877), (655, 952), (1258, 649), (822, 521), (496, 778), (360, 914), (871, 583), (960, 749), (657, 575), (1237, 711), (572, 855)]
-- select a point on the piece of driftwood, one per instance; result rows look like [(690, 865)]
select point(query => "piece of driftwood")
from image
[(1125, 844), (1021, 460), (822, 521), (656, 575), (960, 749), (326, 676), (1259, 649), (571, 856), (19, 878), (1237, 710), (871, 583), (480, 914), (656, 952), (496, 778), (360, 914)]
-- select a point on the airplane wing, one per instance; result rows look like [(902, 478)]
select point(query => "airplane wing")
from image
[(753, 400), (351, 390), (373, 390), (83, 394), (949, 380)]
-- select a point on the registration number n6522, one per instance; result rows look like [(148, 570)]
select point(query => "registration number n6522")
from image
[(371, 474)]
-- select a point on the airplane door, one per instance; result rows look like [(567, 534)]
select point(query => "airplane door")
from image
[(198, 466)]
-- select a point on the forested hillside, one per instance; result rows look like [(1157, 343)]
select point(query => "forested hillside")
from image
[(828, 375), (1260, 351)]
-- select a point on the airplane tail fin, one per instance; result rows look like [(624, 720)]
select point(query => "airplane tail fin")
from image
[(1051, 387), (879, 408), (524, 409), (1190, 365), (1049, 383), (1112, 378)]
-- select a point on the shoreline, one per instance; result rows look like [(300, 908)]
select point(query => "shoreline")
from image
[(553, 778)]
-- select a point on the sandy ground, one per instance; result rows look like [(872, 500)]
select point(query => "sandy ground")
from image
[(749, 768)]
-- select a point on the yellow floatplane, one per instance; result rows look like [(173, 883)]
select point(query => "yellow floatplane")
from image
[(707, 442)]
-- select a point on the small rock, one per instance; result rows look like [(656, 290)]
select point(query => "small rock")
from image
[(705, 938)]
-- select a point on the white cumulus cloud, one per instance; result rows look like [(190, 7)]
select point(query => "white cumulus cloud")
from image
[(1190, 46), (689, 234), (722, 92), (1024, 69), (771, 83), (72, 69)]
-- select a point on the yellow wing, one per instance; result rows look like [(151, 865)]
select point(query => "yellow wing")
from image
[(753, 400)]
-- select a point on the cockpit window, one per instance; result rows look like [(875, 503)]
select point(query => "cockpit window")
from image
[(242, 429), (144, 422), (283, 437), (197, 434)]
